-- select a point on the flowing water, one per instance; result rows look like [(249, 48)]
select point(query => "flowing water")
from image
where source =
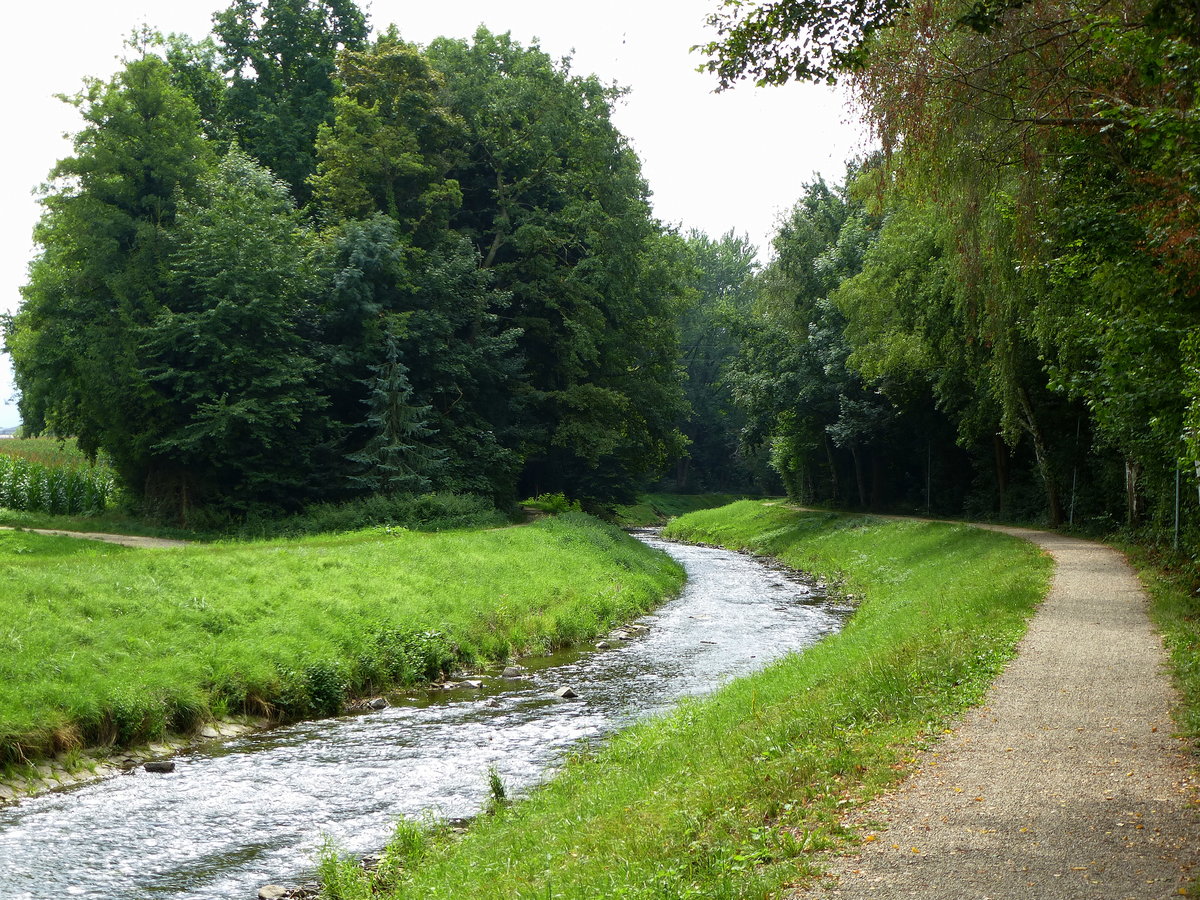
[(256, 810)]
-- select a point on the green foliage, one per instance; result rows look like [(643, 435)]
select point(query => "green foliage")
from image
[(388, 148), (729, 795), (397, 458), (47, 451), (101, 276), (411, 269), (26, 485), (233, 374), (721, 297), (104, 644), (555, 204), (279, 58), (552, 503), (806, 40)]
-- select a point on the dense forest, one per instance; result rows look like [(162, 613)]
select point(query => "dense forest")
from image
[(997, 313), (293, 263)]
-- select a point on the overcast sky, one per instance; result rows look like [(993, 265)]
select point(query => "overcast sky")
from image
[(713, 161)]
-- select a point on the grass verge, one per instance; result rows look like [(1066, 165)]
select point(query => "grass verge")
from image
[(104, 645), (1173, 581), (656, 509), (730, 795)]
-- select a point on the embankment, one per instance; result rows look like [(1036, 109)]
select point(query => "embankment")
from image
[(729, 795), (104, 645)]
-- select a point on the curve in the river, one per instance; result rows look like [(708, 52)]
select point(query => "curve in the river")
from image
[(256, 810)]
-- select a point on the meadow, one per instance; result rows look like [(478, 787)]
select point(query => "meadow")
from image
[(105, 645), (731, 795)]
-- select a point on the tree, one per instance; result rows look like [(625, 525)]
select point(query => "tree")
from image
[(241, 413), (440, 310), (280, 57), (101, 276), (391, 141), (554, 201), (397, 458), (722, 294)]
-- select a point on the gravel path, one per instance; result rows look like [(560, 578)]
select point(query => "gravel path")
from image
[(1068, 783), (125, 540)]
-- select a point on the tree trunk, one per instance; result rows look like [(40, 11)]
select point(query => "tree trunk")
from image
[(876, 481), (1054, 509), (1133, 511), (833, 476), (1001, 453), (858, 476), (681, 473)]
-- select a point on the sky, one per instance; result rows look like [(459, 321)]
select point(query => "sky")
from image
[(735, 160)]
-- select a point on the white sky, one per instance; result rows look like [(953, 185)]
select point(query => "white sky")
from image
[(714, 162)]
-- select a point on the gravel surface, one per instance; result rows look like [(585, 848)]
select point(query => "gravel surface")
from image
[(1068, 783)]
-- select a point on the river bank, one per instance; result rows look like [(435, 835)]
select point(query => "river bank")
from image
[(236, 816), (731, 795), (110, 647)]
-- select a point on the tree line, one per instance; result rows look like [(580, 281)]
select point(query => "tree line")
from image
[(997, 313), (292, 262)]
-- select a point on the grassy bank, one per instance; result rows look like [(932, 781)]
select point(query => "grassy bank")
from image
[(730, 795), (1172, 579), (103, 644), (655, 509)]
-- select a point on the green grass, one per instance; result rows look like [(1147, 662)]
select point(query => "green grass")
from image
[(47, 451), (655, 509), (111, 521), (732, 795), (102, 644), (1173, 581)]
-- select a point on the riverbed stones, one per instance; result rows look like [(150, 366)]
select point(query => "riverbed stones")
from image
[(377, 703), (603, 645), (566, 693), (511, 672), (160, 766), (273, 892)]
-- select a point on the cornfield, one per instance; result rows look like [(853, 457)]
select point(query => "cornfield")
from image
[(58, 490)]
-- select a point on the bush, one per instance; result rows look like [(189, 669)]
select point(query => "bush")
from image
[(418, 512)]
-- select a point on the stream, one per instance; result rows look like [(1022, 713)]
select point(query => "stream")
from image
[(256, 810)]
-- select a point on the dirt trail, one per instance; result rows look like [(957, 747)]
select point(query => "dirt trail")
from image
[(1068, 783), (125, 540)]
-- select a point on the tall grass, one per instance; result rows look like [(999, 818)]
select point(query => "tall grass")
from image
[(107, 645), (51, 452), (732, 795)]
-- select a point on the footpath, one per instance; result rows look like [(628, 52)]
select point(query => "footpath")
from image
[(1068, 783), (125, 540)]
